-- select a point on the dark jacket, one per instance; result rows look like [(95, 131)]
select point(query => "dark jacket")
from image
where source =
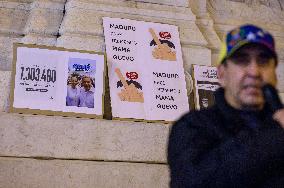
[(224, 147)]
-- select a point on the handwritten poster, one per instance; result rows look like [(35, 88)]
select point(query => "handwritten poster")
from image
[(50, 80), (205, 83), (146, 73)]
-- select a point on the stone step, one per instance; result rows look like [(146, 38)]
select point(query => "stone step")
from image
[(32, 173), (81, 138)]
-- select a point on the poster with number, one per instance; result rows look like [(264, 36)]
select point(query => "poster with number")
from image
[(146, 74), (205, 83), (57, 81)]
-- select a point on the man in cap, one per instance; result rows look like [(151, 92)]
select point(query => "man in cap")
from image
[(239, 141)]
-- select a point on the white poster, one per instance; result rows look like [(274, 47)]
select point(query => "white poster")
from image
[(146, 73), (205, 83), (56, 79)]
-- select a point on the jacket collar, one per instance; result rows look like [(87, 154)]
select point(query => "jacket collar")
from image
[(232, 115)]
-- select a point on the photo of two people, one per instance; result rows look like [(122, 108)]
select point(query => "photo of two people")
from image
[(81, 83)]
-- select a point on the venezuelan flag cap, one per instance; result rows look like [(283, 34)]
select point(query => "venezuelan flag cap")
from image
[(243, 35)]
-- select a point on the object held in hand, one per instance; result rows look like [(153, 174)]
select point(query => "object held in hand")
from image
[(271, 97)]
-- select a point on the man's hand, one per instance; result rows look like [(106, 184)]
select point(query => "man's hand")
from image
[(279, 116)]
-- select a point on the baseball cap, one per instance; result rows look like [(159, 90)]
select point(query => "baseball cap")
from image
[(243, 35)]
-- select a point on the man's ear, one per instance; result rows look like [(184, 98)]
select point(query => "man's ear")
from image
[(221, 74)]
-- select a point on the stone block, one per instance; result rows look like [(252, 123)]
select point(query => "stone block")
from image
[(39, 39), (229, 14), (13, 3), (80, 138), (133, 8), (48, 4), (13, 17), (182, 3), (32, 173), (81, 42), (86, 19), (6, 51), (249, 11), (5, 82), (191, 35), (279, 40), (44, 18), (205, 23), (80, 21), (195, 55), (198, 7), (206, 27), (215, 57)]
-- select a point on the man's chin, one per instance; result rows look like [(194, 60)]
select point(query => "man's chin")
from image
[(252, 98), (253, 104)]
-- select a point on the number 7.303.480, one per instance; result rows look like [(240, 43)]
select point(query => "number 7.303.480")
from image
[(37, 74)]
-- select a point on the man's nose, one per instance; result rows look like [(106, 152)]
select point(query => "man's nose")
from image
[(253, 68)]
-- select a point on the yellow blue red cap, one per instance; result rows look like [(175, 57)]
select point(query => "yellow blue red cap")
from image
[(243, 35)]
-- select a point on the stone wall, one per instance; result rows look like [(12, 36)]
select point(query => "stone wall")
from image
[(52, 151)]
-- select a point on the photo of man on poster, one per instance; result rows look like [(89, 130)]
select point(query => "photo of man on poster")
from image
[(73, 90), (86, 96)]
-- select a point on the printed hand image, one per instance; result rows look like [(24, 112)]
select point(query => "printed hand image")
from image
[(162, 51), (130, 92)]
